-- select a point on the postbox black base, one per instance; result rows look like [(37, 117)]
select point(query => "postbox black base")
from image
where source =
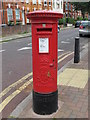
[(45, 104)]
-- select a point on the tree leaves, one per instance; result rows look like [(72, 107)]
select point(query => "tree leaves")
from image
[(83, 6)]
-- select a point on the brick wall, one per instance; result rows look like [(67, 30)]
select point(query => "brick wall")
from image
[(17, 29), (22, 6)]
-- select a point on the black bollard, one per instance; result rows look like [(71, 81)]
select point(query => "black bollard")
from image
[(77, 50)]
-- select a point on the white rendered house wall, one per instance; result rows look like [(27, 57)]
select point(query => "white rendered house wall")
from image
[(57, 5)]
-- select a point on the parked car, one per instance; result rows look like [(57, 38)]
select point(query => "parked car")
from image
[(77, 24), (84, 28)]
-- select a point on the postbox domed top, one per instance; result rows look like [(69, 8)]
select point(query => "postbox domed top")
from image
[(44, 14)]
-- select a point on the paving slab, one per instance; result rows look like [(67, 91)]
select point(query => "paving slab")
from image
[(72, 94), (30, 114)]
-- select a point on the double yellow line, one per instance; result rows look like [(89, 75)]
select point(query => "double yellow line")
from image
[(14, 84), (10, 97), (19, 90)]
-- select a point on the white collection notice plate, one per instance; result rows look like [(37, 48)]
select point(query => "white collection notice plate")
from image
[(43, 45)]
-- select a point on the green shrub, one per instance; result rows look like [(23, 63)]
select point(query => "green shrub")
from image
[(10, 23), (85, 18), (18, 22), (67, 20), (79, 18), (64, 21), (61, 21), (71, 20)]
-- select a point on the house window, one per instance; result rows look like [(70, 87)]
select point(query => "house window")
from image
[(66, 7), (9, 5), (27, 9), (27, 12), (39, 1), (17, 11), (27, 20), (22, 0), (57, 4), (54, 4), (1, 16), (49, 2), (9, 14), (73, 9), (34, 9), (40, 8), (45, 2), (69, 6), (61, 5), (27, 1), (34, 2)]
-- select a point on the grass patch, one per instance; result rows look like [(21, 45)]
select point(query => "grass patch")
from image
[(25, 32), (11, 117), (5, 41), (54, 118)]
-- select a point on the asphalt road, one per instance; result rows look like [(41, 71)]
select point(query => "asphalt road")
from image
[(17, 63)]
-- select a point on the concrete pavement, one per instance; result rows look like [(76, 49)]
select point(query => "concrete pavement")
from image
[(72, 93), (14, 37)]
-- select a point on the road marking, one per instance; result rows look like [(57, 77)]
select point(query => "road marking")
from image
[(5, 91), (25, 48), (30, 44), (8, 99), (85, 46), (60, 50), (65, 57), (63, 54), (4, 42), (11, 96), (67, 39), (65, 42), (14, 84), (18, 41), (2, 51)]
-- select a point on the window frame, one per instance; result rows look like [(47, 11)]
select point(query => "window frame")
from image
[(45, 2), (17, 14), (66, 6), (34, 2), (10, 14), (49, 2), (39, 2)]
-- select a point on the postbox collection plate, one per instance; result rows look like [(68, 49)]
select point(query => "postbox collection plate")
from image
[(43, 45)]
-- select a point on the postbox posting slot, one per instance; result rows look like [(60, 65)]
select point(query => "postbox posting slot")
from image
[(40, 30)]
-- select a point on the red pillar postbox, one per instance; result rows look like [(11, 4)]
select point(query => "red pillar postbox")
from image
[(44, 51)]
